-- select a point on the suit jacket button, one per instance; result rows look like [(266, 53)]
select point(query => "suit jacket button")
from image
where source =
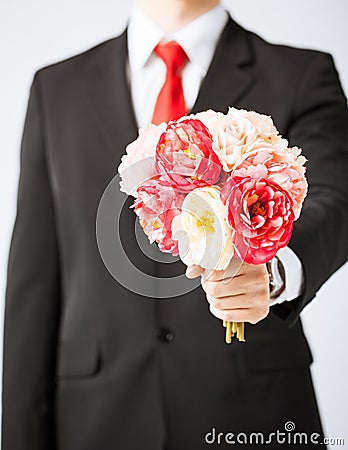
[(164, 335)]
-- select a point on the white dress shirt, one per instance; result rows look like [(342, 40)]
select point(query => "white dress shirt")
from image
[(147, 74), (148, 71)]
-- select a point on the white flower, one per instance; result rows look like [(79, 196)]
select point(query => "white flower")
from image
[(201, 229)]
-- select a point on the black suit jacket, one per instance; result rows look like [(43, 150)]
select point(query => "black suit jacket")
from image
[(89, 365)]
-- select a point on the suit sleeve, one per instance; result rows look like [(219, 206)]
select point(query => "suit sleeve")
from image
[(32, 299), (320, 127)]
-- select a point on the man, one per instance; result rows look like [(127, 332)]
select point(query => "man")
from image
[(91, 365)]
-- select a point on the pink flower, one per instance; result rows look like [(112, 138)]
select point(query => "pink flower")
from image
[(282, 167), (156, 205), (265, 128), (239, 132), (261, 213), (233, 135), (184, 155), (138, 164)]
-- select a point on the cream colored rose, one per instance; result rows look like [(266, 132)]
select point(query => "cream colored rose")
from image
[(233, 136), (267, 134), (201, 230)]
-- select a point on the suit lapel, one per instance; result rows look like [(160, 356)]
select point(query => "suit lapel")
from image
[(229, 75), (108, 95)]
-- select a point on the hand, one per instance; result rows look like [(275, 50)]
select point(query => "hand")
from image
[(244, 297)]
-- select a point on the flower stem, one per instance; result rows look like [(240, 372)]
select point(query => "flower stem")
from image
[(233, 328), (229, 332)]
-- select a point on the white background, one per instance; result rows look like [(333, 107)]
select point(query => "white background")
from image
[(37, 32)]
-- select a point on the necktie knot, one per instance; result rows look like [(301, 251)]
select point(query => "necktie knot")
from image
[(172, 54)]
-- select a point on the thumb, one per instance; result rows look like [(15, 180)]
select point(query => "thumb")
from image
[(194, 271)]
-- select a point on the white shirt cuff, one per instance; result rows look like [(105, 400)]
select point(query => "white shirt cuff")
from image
[(294, 278)]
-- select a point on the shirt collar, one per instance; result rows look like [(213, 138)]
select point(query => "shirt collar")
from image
[(198, 38)]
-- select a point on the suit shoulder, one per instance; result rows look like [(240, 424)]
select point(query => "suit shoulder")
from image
[(285, 53), (73, 66), (292, 52), (287, 64)]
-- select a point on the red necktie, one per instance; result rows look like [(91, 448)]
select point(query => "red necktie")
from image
[(170, 104)]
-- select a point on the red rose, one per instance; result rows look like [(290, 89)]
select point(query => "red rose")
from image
[(185, 157), (262, 214)]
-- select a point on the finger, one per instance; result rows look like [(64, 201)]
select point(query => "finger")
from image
[(229, 303), (194, 271), (231, 271), (229, 287), (235, 315)]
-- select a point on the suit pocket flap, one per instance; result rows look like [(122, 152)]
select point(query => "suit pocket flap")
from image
[(277, 354), (77, 358)]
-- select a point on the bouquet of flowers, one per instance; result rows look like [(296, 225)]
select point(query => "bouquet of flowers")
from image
[(211, 186)]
